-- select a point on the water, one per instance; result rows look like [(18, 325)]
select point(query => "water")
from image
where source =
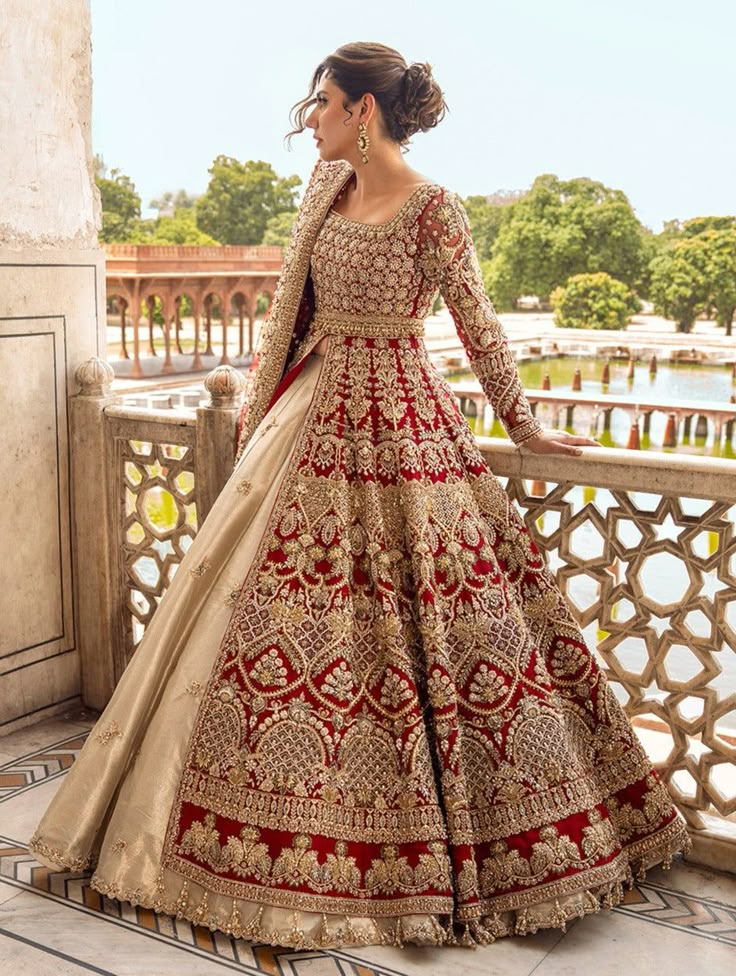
[(673, 383)]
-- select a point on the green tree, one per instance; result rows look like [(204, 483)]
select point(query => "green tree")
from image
[(240, 199), (593, 301), (180, 228), (561, 228), (721, 273), (279, 227), (486, 214), (121, 205), (698, 225), (679, 282)]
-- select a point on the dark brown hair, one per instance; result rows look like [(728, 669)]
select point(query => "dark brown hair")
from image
[(408, 96)]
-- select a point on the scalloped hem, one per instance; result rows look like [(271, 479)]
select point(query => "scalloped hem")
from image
[(304, 929)]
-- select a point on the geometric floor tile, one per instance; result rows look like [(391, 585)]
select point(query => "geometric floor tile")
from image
[(19, 775), (676, 909)]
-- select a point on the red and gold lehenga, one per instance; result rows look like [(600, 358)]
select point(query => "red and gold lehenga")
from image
[(363, 711)]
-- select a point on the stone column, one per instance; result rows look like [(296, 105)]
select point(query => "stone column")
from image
[(167, 306), (216, 426), (52, 317), (95, 519), (225, 303), (134, 305), (196, 314)]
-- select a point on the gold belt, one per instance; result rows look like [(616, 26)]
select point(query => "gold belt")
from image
[(366, 326)]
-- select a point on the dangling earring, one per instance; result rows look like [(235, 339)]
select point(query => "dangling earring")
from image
[(363, 141)]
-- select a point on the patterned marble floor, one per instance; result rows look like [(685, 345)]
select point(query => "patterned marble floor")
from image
[(676, 921)]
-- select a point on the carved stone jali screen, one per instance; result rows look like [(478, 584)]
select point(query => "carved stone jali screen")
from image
[(159, 522)]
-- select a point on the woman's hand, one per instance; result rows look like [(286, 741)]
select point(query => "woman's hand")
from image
[(558, 442)]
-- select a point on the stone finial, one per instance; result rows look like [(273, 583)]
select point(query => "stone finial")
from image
[(225, 386), (94, 377)]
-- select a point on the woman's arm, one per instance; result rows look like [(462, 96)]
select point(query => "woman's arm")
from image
[(448, 257)]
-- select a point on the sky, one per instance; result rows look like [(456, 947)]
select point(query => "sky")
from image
[(639, 94)]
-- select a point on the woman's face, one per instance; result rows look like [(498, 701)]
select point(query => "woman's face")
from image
[(335, 129)]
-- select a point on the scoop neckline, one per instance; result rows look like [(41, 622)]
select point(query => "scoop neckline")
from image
[(384, 223)]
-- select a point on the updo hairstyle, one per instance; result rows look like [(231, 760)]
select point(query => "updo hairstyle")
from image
[(409, 97)]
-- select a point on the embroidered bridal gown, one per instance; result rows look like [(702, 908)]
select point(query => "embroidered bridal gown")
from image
[(363, 711)]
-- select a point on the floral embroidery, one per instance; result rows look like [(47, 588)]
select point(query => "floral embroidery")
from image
[(194, 688), (113, 731), (244, 487), (201, 568), (273, 422)]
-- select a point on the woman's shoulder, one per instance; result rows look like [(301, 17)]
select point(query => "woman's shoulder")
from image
[(326, 170), (326, 173), (332, 165), (443, 206)]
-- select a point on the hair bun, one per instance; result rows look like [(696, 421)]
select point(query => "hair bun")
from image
[(420, 105)]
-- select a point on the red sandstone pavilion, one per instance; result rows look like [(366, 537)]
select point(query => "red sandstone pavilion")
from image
[(224, 276)]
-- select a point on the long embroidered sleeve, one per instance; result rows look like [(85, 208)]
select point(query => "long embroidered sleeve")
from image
[(448, 257)]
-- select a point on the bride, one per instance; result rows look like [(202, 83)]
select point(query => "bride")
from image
[(363, 711)]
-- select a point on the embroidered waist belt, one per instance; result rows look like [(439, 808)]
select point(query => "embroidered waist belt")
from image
[(366, 326)]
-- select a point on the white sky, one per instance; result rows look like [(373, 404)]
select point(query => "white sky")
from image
[(639, 94)]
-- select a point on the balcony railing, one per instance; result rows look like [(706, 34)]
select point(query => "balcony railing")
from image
[(641, 543)]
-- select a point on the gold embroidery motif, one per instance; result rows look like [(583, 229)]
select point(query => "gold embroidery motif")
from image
[(113, 731), (194, 688), (69, 861), (366, 326), (244, 487), (201, 568), (119, 845), (273, 422), (599, 889), (301, 866)]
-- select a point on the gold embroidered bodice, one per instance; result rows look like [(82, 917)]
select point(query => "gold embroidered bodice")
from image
[(371, 269), (384, 277)]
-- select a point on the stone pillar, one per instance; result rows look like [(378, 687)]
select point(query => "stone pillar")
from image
[(150, 302), (100, 637), (196, 306), (52, 317), (216, 426), (209, 351), (167, 306), (134, 305), (225, 304), (241, 323), (124, 354)]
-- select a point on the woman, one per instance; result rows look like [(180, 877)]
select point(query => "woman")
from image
[(363, 711)]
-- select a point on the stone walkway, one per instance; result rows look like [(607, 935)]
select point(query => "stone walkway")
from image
[(676, 922)]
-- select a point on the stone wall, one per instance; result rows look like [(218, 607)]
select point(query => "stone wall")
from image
[(51, 315)]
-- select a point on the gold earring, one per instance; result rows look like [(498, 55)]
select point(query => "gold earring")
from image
[(363, 141)]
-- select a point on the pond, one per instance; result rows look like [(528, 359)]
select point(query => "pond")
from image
[(672, 383)]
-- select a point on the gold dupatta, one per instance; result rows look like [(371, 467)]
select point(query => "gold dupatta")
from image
[(325, 182)]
